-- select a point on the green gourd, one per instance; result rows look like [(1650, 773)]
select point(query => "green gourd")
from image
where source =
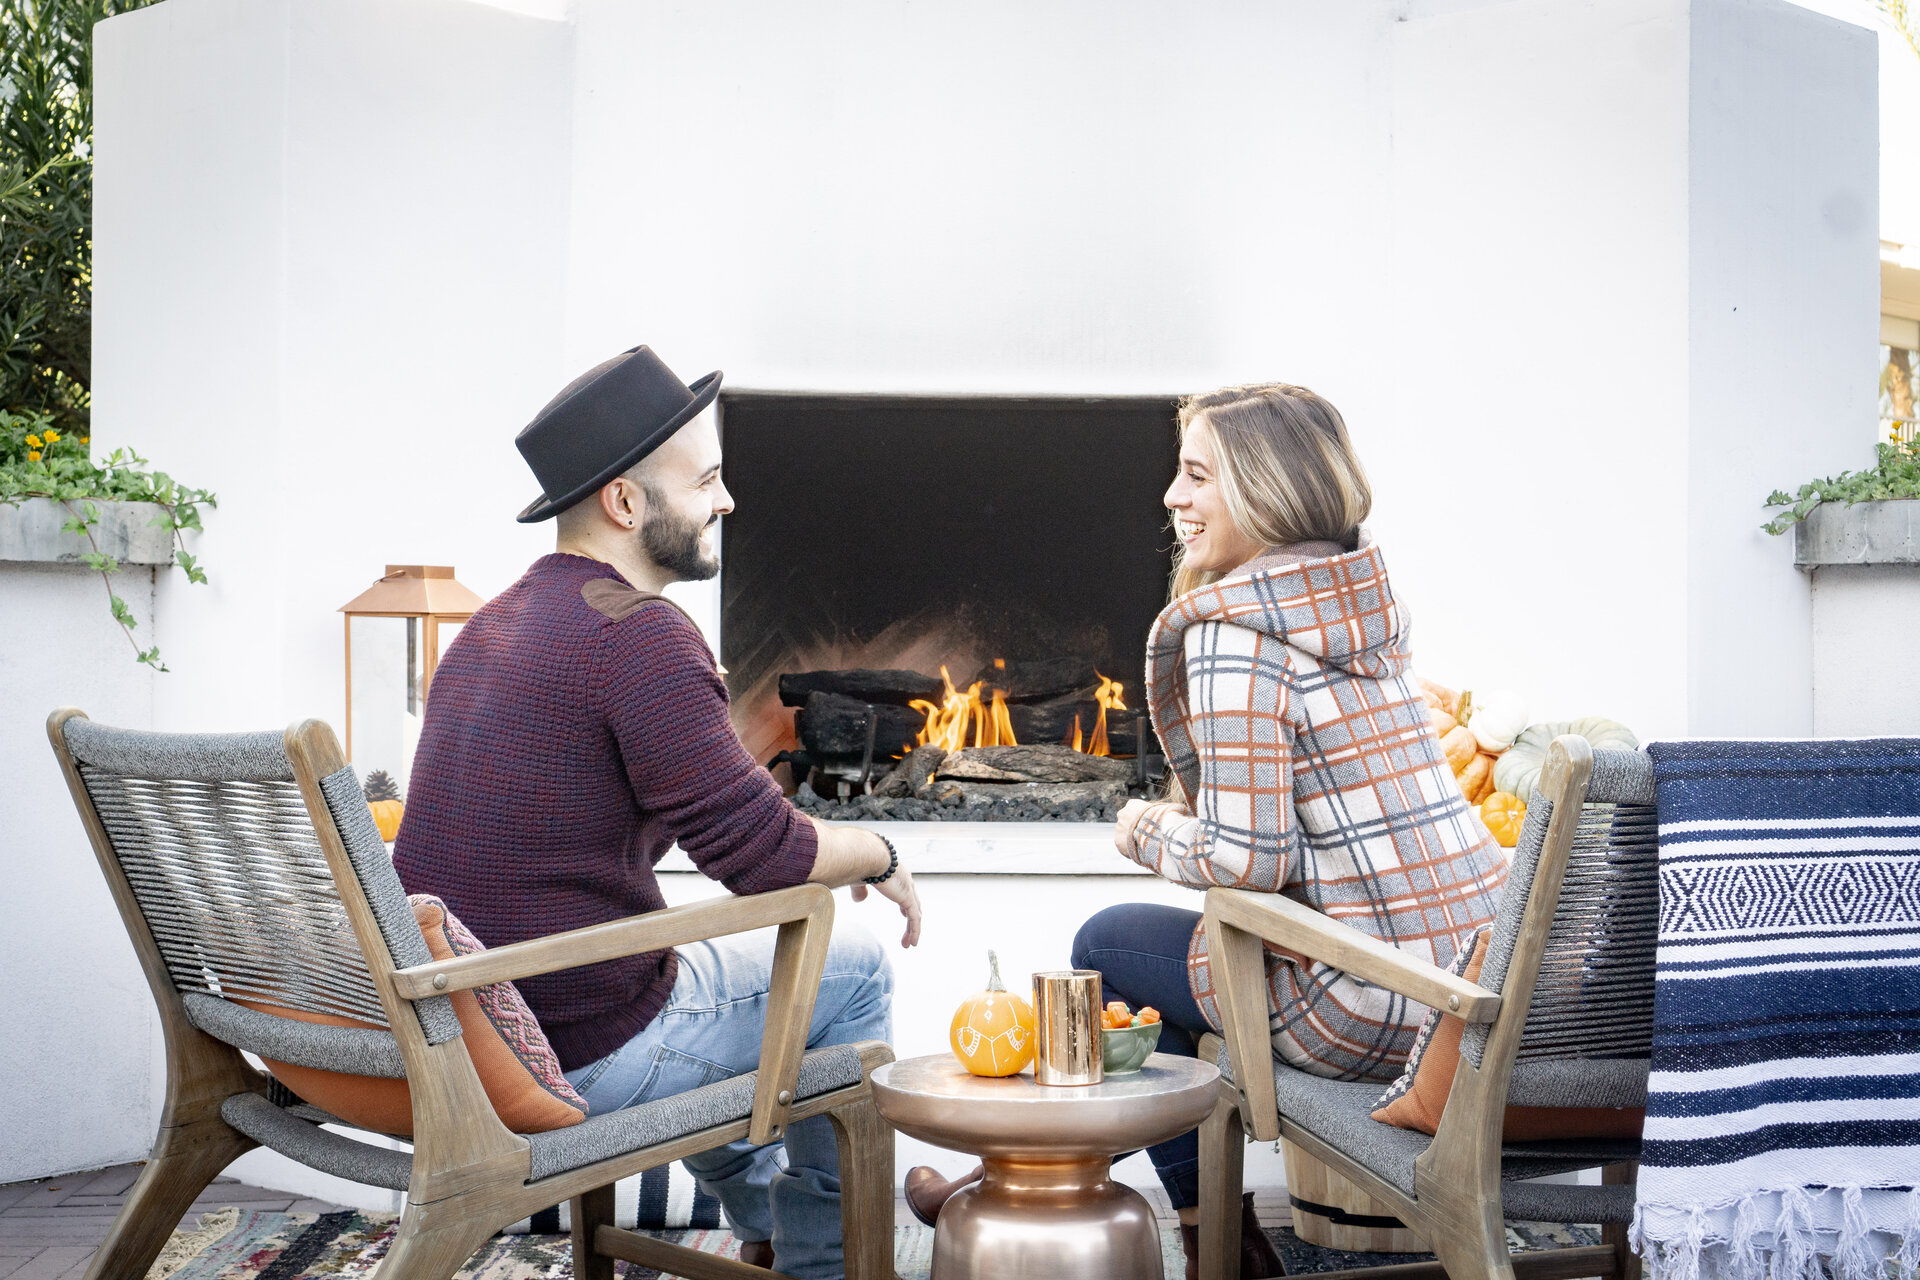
[(1518, 768)]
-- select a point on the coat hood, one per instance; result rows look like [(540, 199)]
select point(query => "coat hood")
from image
[(1338, 609)]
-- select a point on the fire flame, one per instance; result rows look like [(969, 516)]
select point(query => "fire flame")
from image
[(964, 719), (1110, 699), (962, 714)]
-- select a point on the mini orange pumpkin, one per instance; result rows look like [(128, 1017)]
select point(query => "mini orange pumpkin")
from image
[(384, 799), (992, 1032), (1504, 813)]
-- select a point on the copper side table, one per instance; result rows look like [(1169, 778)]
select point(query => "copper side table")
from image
[(1047, 1208)]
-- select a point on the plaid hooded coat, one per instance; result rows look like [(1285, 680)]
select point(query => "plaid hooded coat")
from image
[(1285, 699)]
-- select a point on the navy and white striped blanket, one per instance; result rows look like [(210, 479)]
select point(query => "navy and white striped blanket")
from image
[(1783, 1109)]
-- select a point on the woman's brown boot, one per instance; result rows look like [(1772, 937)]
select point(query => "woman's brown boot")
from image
[(927, 1191), (1258, 1261)]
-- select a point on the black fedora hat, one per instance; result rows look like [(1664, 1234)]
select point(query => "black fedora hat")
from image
[(603, 422)]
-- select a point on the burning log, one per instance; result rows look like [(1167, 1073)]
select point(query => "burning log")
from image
[(1038, 722), (1041, 763), (1050, 794), (912, 773), (832, 725), (1038, 679), (891, 687)]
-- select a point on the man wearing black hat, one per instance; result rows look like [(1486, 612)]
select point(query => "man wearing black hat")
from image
[(578, 729)]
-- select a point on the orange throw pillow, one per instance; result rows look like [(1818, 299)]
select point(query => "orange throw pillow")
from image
[(516, 1065), (1417, 1099)]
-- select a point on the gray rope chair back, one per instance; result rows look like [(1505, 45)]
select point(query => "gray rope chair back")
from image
[(219, 850), (1589, 1029)]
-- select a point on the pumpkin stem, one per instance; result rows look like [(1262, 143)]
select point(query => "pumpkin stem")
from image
[(993, 973), (1466, 706)]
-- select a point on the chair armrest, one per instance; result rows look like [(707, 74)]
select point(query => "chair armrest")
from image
[(804, 914), (655, 931), (1297, 927), (1238, 922)]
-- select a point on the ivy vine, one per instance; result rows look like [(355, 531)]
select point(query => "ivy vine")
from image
[(1896, 474), (37, 460)]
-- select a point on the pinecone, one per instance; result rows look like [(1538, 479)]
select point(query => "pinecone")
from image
[(381, 787)]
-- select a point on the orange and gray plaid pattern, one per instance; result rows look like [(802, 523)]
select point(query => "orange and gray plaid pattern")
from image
[(1284, 696)]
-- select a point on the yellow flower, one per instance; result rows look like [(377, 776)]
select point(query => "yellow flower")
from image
[(84, 439), (33, 441), (33, 455), (53, 437)]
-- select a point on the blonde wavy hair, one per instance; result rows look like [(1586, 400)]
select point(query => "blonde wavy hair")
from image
[(1285, 466)]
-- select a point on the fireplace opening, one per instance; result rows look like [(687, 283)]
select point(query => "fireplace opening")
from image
[(937, 607)]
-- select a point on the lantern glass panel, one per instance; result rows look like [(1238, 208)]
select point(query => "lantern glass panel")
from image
[(386, 693), (449, 630)]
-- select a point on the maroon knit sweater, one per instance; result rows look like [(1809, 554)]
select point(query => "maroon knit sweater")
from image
[(574, 733)]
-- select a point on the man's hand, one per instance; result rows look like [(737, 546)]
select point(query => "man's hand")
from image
[(847, 855), (897, 888)]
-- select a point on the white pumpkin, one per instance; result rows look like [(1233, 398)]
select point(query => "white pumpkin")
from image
[(1498, 718)]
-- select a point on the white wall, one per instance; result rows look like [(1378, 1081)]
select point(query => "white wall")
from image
[(1499, 236), (82, 1057), (1530, 464), (331, 245), (1783, 331)]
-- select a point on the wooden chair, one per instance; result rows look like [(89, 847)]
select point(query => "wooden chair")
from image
[(1562, 1016), (248, 867)]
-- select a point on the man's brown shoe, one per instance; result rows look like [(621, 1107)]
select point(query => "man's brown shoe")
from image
[(757, 1253), (927, 1191)]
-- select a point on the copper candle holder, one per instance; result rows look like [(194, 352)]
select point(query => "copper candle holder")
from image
[(1066, 1015)]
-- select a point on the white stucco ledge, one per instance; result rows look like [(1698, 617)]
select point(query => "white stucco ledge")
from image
[(31, 532), (992, 849), (1863, 533)]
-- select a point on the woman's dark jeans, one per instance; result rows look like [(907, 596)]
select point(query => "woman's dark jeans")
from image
[(1140, 950)]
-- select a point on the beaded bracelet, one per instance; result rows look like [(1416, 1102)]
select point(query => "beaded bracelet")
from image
[(893, 863)]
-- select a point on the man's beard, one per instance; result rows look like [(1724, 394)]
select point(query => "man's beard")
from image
[(674, 544)]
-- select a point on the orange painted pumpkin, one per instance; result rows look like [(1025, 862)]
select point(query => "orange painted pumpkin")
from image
[(1504, 813), (384, 799), (992, 1032), (1476, 780)]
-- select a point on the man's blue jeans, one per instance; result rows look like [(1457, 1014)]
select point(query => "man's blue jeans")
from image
[(710, 1029)]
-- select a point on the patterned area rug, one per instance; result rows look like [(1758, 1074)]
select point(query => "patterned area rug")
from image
[(1300, 1258), (236, 1244), (349, 1246)]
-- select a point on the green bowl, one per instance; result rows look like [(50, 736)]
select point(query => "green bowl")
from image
[(1124, 1049)]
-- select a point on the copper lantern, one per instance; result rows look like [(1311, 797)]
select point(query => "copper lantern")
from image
[(396, 631)]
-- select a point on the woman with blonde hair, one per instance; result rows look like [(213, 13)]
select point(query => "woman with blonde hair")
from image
[(1280, 683)]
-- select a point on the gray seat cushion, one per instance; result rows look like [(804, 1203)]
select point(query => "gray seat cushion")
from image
[(615, 1132), (290, 1129), (1339, 1113)]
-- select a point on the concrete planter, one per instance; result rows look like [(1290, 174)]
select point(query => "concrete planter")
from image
[(31, 532), (1863, 566), (1864, 533)]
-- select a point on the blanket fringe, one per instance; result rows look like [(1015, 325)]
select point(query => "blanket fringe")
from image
[(1906, 1263), (1744, 1250), (1796, 1242), (1787, 1245)]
